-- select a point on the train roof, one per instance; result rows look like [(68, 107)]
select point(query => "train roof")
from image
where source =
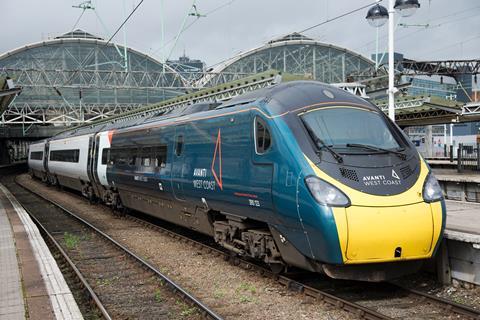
[(290, 96), (277, 99)]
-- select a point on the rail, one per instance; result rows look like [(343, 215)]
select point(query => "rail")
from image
[(331, 295), (175, 288)]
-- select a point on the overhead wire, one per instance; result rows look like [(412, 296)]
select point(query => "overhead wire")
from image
[(453, 44), (339, 16), (180, 31), (220, 7), (78, 20), (424, 29), (192, 23), (321, 23), (125, 21)]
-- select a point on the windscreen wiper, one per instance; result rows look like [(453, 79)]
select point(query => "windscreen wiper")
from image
[(320, 144), (401, 155)]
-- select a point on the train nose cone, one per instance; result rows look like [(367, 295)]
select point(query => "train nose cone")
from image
[(389, 233)]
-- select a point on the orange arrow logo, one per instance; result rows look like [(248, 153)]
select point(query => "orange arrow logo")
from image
[(218, 151)]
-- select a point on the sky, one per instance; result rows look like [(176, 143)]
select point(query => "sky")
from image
[(440, 29)]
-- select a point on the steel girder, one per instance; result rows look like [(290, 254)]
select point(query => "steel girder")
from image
[(221, 92), (62, 113), (450, 68), (98, 79), (444, 67), (55, 88), (472, 108)]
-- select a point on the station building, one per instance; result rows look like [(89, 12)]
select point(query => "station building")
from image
[(77, 77), (294, 54)]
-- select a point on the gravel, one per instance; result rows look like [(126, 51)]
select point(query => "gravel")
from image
[(231, 291), (460, 292)]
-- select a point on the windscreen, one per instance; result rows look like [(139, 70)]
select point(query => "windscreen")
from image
[(340, 126)]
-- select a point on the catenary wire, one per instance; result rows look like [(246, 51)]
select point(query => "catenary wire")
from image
[(125, 21)]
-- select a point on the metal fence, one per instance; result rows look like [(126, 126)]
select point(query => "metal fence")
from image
[(463, 157), (468, 157)]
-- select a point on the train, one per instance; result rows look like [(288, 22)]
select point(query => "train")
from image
[(300, 174)]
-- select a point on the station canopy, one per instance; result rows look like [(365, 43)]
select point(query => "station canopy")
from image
[(79, 76), (295, 54)]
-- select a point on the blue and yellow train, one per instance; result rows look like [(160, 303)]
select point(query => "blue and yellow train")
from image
[(298, 174)]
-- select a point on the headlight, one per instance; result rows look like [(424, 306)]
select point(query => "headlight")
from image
[(431, 189), (325, 193)]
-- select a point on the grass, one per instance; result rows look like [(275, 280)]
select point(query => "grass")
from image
[(246, 287), (71, 240), (186, 310), (157, 280), (158, 296), (218, 294), (245, 299), (245, 291), (104, 282)]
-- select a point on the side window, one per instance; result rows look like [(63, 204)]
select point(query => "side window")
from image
[(105, 155), (119, 156), (146, 161), (70, 155), (263, 139), (36, 155), (132, 158), (161, 156), (179, 145), (146, 154)]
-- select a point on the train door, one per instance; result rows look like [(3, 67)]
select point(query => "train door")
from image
[(91, 157), (178, 163), (95, 152), (261, 174), (95, 158), (102, 157), (46, 155)]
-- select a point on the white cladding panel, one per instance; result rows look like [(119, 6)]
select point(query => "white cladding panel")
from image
[(103, 143), (36, 164), (75, 170)]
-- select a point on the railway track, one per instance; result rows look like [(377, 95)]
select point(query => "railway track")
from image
[(366, 300), (121, 284)]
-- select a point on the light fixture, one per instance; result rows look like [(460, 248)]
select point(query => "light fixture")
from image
[(377, 16), (406, 7)]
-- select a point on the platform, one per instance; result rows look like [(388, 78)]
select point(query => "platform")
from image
[(454, 176), (463, 240), (463, 217), (463, 186), (32, 285)]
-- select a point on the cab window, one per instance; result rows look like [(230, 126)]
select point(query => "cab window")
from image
[(263, 139)]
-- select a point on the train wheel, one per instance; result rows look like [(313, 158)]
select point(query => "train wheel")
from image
[(277, 268), (119, 210)]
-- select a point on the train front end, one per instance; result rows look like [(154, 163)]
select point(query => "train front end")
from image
[(368, 205)]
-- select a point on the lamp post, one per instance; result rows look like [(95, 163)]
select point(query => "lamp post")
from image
[(377, 16)]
